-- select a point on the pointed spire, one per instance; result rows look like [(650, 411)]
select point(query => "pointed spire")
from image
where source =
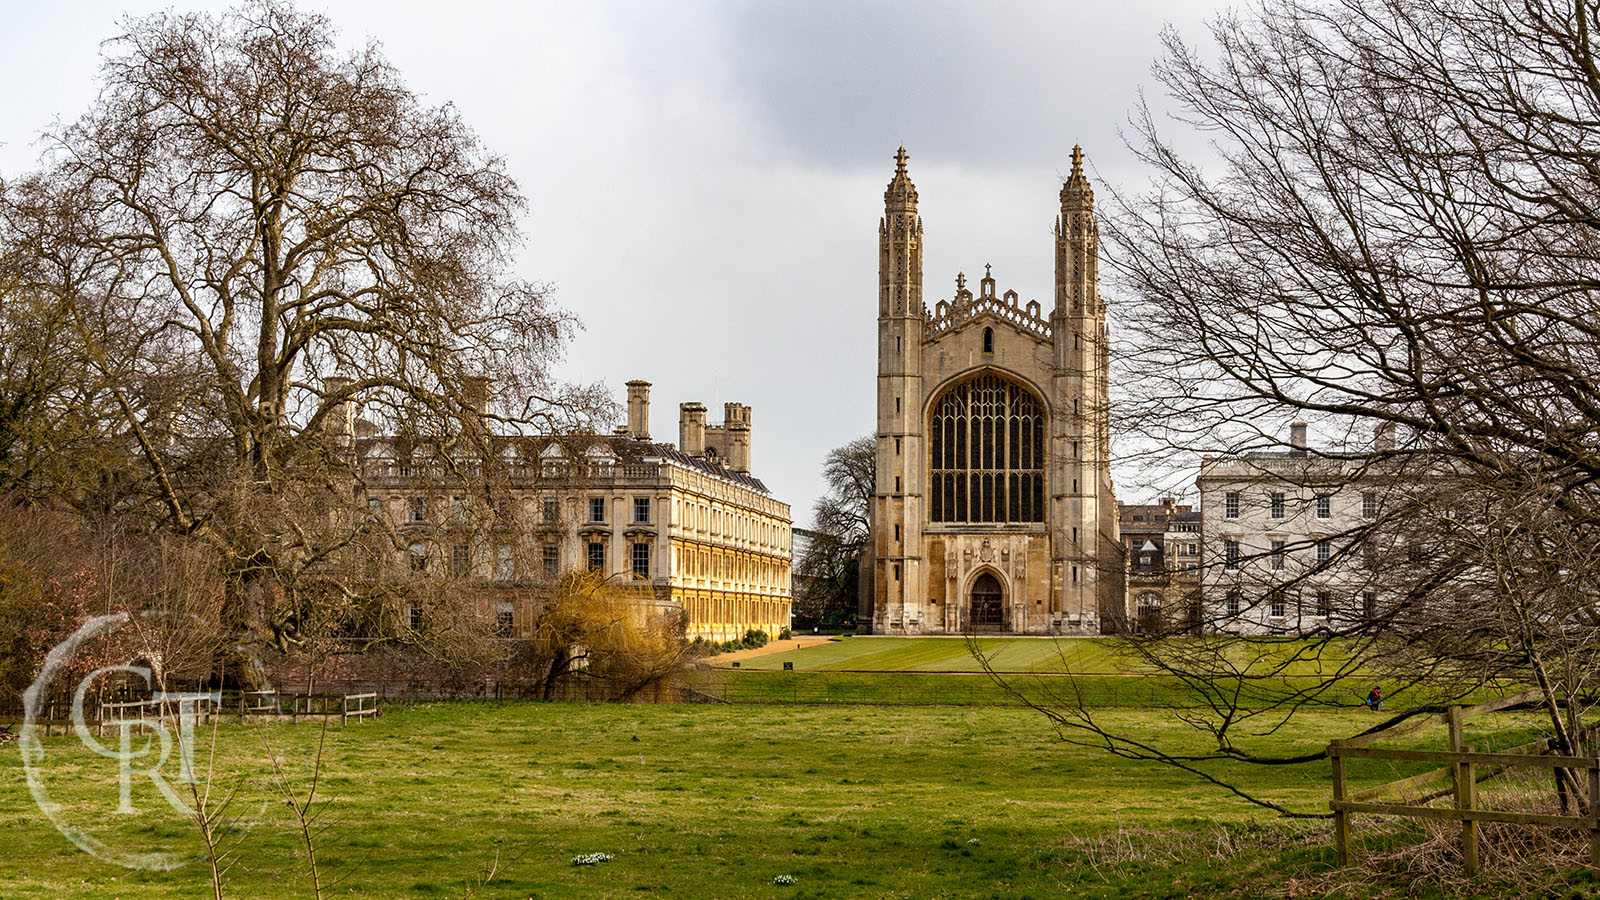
[(900, 246), (902, 194), (961, 282), (1076, 193), (1077, 243)]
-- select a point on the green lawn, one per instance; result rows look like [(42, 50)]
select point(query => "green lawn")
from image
[(1087, 656), (945, 654), (943, 670), (702, 801)]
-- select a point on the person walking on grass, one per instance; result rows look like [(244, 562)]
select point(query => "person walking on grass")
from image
[(1375, 699)]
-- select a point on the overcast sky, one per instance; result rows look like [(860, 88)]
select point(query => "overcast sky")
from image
[(706, 178)]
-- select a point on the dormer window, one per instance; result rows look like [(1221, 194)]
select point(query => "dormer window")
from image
[(988, 340)]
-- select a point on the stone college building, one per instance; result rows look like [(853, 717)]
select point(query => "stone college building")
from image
[(993, 509), (685, 529)]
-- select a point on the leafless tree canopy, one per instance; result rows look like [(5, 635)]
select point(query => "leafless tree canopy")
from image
[(827, 571), (250, 231), (1401, 228), (1393, 227)]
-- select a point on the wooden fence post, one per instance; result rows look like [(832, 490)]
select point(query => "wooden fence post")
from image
[(1341, 818), (1464, 776), (1594, 813), (1469, 827)]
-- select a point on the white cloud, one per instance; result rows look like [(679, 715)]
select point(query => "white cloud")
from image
[(706, 179)]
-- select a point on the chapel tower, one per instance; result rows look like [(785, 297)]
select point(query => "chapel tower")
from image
[(993, 508), (1086, 509), (901, 317)]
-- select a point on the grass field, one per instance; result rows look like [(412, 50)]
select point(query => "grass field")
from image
[(1086, 656), (945, 654), (943, 670), (701, 801)]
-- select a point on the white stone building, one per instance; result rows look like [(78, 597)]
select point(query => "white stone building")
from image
[(1282, 539)]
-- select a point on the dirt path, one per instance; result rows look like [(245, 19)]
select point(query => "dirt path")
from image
[(798, 642)]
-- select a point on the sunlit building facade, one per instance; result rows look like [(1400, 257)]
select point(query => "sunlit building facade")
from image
[(685, 529)]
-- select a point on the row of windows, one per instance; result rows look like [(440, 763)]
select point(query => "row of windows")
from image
[(505, 617), (700, 609), (417, 509), (1276, 559), (987, 497), (1278, 502), (1278, 603), (697, 563), (706, 564), (1373, 556), (505, 559), (705, 518)]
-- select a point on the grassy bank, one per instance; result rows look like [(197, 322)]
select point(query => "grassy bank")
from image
[(700, 801), (1086, 656), (944, 670), (976, 689)]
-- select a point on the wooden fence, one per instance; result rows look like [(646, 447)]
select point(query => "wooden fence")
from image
[(55, 715), (365, 705), (1466, 768)]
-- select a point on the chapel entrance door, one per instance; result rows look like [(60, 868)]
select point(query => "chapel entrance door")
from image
[(987, 612)]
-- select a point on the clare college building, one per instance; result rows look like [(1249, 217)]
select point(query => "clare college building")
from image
[(993, 509), (681, 528)]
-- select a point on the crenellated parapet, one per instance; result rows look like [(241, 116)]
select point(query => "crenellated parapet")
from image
[(948, 315), (993, 507)]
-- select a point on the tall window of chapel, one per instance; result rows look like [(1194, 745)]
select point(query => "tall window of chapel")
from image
[(986, 449)]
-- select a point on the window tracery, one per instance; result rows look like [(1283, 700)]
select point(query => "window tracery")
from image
[(987, 440)]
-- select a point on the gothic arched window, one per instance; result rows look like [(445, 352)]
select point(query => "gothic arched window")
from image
[(988, 443)]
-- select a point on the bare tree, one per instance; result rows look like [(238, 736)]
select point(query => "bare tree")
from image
[(828, 569), (252, 232), (1394, 233)]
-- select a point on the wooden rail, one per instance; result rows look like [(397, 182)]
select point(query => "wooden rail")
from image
[(1464, 774), (361, 710), (259, 703), (55, 716)]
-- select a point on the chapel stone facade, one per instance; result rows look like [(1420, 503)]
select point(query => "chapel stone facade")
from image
[(993, 509)]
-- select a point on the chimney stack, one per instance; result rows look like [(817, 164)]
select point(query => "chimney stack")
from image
[(477, 394), (692, 428), (341, 421), (639, 410), (1383, 437), (1297, 439), (736, 419)]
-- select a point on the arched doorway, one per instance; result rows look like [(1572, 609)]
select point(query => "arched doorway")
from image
[(1150, 620), (988, 613)]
